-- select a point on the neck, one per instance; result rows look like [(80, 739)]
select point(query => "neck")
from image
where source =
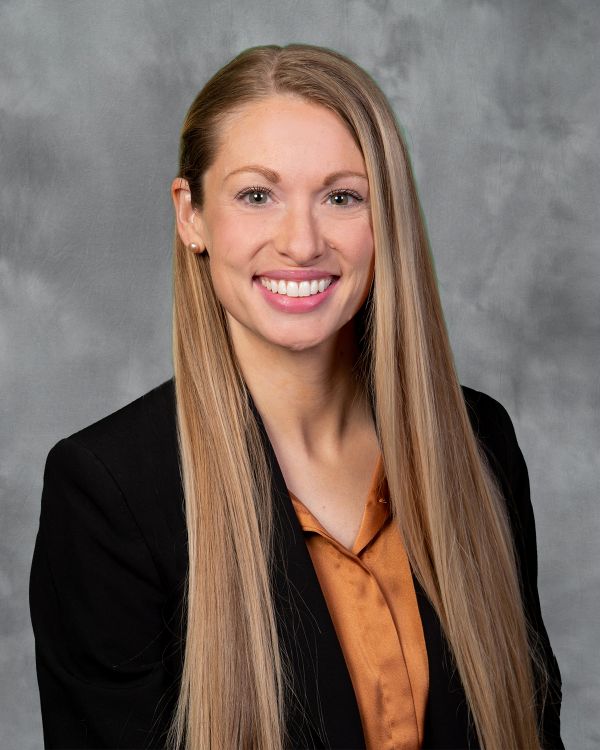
[(311, 400)]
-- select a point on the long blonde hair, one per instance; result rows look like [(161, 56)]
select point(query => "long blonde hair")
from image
[(443, 494)]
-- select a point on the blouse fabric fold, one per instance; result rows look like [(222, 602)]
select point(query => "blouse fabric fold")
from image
[(371, 598)]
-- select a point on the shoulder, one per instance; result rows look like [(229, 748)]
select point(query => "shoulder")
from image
[(134, 451), (496, 435), (107, 575), (494, 430), (143, 427), (488, 416), (137, 438)]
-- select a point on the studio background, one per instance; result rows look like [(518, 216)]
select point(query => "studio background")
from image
[(499, 102)]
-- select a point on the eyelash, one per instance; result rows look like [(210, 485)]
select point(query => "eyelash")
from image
[(268, 191)]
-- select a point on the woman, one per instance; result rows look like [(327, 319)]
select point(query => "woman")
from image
[(313, 536)]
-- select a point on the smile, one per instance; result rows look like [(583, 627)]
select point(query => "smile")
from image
[(295, 288)]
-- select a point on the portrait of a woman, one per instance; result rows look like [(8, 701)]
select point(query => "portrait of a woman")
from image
[(313, 535)]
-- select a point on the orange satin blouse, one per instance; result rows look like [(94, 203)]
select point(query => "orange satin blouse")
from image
[(373, 605)]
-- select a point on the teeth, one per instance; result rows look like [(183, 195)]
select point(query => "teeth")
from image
[(295, 288)]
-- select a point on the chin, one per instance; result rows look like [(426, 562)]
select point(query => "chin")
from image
[(300, 345)]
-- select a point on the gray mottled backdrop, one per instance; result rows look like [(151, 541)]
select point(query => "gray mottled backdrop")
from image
[(500, 102)]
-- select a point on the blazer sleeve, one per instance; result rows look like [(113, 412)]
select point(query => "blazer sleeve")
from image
[(96, 607), (523, 524)]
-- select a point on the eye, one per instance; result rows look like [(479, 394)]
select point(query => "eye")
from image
[(342, 197), (258, 195)]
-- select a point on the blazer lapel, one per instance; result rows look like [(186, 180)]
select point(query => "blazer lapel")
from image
[(324, 712), (447, 723)]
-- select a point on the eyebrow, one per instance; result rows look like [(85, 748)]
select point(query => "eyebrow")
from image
[(274, 177)]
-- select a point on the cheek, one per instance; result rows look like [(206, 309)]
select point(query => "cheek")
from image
[(230, 268), (230, 251), (363, 260), (361, 248)]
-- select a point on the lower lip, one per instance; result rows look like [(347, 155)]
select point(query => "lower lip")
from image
[(295, 304)]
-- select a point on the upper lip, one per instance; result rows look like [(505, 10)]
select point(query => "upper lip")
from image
[(297, 274)]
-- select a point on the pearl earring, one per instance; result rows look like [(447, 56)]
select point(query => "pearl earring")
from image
[(193, 247)]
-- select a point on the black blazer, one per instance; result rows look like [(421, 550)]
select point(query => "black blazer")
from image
[(107, 579)]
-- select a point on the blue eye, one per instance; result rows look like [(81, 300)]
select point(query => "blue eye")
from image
[(257, 194), (342, 197)]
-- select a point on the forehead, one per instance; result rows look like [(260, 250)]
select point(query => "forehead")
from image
[(287, 133)]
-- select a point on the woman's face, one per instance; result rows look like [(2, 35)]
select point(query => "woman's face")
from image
[(286, 222)]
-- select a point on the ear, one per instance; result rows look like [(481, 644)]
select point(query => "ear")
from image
[(190, 225)]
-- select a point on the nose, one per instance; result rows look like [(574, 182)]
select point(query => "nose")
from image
[(298, 236)]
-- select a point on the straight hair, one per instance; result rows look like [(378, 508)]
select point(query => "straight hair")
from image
[(444, 497)]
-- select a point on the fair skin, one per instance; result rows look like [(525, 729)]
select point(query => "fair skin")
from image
[(268, 211)]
